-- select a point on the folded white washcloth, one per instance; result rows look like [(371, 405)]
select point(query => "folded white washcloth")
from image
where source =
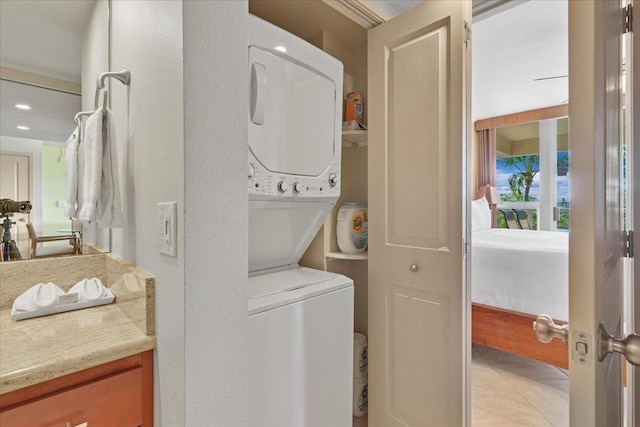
[(92, 176), (38, 296), (71, 160), (89, 289), (109, 212)]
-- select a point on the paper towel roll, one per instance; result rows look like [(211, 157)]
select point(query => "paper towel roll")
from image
[(347, 84), (360, 397), (360, 360)]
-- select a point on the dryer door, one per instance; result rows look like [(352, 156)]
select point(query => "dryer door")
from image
[(292, 115)]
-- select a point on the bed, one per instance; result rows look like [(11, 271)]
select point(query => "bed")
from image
[(516, 275)]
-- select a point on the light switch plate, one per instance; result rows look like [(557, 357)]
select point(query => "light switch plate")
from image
[(167, 228)]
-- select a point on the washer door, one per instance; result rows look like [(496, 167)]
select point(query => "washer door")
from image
[(291, 115), (281, 231)]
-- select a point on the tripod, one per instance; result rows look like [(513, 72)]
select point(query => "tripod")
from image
[(10, 251)]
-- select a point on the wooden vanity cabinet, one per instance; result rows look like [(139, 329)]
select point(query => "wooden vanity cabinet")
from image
[(118, 393)]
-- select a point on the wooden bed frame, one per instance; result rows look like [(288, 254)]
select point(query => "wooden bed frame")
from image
[(512, 332)]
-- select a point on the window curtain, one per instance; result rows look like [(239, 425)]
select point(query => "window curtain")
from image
[(486, 144)]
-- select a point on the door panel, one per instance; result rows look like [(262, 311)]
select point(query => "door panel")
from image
[(595, 241), (417, 69), (15, 177), (418, 127), (412, 397)]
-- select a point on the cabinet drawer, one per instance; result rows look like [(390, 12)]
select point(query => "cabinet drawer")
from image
[(111, 401)]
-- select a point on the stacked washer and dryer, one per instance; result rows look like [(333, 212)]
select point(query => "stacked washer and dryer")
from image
[(300, 319)]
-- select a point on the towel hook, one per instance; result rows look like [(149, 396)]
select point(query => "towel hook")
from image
[(124, 76), (82, 114), (78, 119)]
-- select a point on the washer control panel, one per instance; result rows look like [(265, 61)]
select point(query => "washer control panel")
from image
[(267, 183)]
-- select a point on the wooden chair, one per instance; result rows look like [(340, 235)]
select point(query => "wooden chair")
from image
[(523, 219), (73, 248), (510, 218)]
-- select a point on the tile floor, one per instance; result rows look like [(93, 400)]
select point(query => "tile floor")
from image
[(509, 390)]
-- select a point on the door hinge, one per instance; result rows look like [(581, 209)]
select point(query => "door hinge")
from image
[(628, 244), (467, 33), (628, 19)]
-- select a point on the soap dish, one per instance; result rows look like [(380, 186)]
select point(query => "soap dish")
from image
[(53, 300)]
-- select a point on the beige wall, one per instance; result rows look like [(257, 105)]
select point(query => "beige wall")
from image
[(146, 38), (216, 88), (94, 60), (203, 339), (54, 189)]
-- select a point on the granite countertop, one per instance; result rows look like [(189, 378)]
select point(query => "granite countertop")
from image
[(40, 349)]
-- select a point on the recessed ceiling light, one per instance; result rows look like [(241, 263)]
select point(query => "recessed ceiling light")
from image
[(22, 127), (23, 107)]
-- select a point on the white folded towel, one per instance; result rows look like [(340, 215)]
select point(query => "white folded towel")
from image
[(92, 143), (101, 199), (71, 160), (110, 201)]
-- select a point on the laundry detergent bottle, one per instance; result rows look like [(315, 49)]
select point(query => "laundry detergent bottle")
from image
[(352, 228)]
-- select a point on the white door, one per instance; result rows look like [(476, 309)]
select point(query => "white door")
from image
[(418, 129), (15, 185), (596, 237)]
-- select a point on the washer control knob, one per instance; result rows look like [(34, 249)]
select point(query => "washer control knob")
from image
[(297, 187), (333, 180), (282, 187), (252, 170)]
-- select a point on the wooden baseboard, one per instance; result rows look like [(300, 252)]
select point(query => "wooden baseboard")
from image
[(513, 333)]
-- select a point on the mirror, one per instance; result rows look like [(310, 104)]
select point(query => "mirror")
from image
[(51, 52)]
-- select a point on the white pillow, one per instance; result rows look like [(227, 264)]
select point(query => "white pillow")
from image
[(480, 215)]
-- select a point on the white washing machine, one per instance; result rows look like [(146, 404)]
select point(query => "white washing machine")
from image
[(300, 319)]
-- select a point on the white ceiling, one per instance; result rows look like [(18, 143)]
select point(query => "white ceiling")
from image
[(51, 118), (510, 50), (513, 44), (42, 37), (529, 130)]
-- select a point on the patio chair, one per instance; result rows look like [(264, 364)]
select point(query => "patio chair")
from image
[(510, 218), (523, 219)]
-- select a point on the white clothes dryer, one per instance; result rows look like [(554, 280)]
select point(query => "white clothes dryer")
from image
[(300, 319)]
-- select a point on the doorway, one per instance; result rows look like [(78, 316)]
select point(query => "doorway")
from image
[(520, 104), (15, 184)]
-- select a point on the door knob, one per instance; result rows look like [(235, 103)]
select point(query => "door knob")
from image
[(629, 347), (546, 330), (413, 268)]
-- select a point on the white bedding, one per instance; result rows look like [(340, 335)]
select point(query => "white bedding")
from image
[(521, 270)]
